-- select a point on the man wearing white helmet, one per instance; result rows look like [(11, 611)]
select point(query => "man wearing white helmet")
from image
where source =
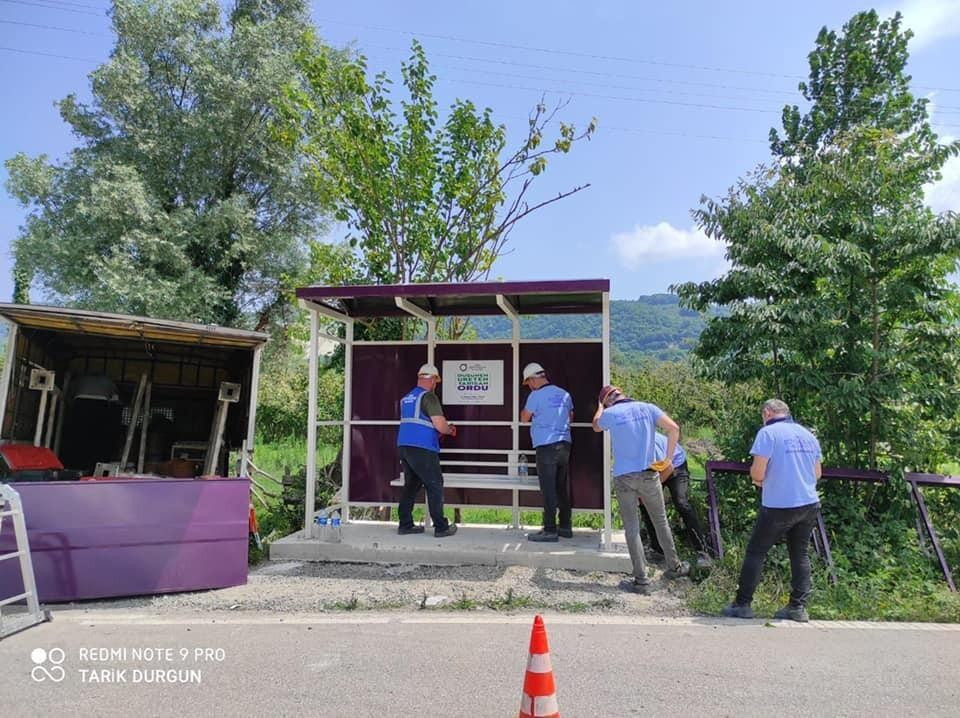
[(418, 441), (550, 411)]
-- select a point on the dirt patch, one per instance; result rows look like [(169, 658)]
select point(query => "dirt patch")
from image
[(294, 586)]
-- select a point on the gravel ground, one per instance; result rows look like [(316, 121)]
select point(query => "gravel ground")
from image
[(294, 586)]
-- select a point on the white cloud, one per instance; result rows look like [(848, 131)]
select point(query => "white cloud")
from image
[(930, 20), (945, 194), (659, 242)]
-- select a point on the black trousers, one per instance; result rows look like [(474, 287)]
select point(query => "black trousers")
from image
[(553, 472), (421, 468), (679, 486), (772, 525)]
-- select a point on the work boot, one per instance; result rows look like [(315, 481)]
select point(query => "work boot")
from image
[(704, 561), (737, 610), (635, 586), (449, 531), (682, 569), (543, 536), (793, 613), (565, 533), (404, 530)]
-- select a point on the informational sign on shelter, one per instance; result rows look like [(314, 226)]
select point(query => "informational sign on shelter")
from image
[(472, 382)]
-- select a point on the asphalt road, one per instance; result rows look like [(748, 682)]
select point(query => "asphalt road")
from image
[(368, 664)]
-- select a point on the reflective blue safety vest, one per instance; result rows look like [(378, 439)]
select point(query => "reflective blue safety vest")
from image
[(416, 429)]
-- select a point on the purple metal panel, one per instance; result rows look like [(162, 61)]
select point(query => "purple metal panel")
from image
[(94, 539), (381, 375), (456, 289), (933, 480)]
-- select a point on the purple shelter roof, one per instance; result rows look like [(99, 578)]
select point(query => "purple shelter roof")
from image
[(574, 296)]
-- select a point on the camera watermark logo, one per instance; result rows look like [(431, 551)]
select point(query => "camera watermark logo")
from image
[(41, 672)]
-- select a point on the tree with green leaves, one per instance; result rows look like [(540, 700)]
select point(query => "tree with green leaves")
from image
[(423, 198), (180, 200), (838, 298)]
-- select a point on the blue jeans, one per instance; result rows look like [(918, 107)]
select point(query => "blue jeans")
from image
[(772, 525)]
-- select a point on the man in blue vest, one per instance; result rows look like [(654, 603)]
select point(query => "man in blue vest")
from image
[(786, 466), (550, 411), (418, 441), (676, 477), (636, 476)]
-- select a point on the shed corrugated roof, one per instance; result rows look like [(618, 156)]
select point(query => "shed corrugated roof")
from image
[(80, 321)]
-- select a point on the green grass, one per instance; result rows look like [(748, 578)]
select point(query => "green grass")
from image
[(901, 597)]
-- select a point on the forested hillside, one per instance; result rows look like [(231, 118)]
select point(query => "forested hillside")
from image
[(649, 327)]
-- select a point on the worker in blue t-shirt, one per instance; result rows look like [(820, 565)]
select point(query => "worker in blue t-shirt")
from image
[(786, 466), (636, 477), (549, 409), (676, 477), (418, 443)]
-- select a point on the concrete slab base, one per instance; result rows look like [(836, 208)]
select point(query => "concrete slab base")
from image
[(378, 542)]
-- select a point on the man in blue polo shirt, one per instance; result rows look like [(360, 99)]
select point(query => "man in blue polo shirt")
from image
[(786, 466), (418, 443), (636, 476), (549, 409)]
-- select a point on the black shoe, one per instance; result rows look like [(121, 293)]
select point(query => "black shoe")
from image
[(449, 531), (793, 613), (404, 530), (543, 536), (565, 533), (682, 569), (735, 610), (634, 586)]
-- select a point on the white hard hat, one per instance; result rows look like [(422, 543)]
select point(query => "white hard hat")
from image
[(428, 370), (531, 370)]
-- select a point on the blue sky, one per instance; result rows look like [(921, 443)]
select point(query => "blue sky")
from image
[(685, 94)]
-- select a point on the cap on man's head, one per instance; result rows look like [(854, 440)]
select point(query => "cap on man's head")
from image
[(429, 370), (532, 370), (609, 394)]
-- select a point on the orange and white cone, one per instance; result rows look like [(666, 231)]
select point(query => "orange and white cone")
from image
[(539, 698)]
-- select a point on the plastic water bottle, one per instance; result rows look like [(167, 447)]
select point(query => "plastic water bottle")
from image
[(523, 468), (322, 526), (334, 528)]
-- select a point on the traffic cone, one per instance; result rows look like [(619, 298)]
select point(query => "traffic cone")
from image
[(539, 699)]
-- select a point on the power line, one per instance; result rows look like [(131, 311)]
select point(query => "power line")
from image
[(554, 51), (596, 73), (594, 56), (587, 83), (76, 4), (53, 27), (951, 109), (54, 7), (50, 54)]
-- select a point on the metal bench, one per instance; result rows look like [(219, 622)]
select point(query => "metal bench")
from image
[(509, 480)]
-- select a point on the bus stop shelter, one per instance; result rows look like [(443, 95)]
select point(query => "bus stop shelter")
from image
[(481, 390)]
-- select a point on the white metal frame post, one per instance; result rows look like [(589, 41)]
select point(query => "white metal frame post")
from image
[(247, 449), (310, 483), (507, 308), (415, 311), (607, 503), (347, 421), (8, 368)]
